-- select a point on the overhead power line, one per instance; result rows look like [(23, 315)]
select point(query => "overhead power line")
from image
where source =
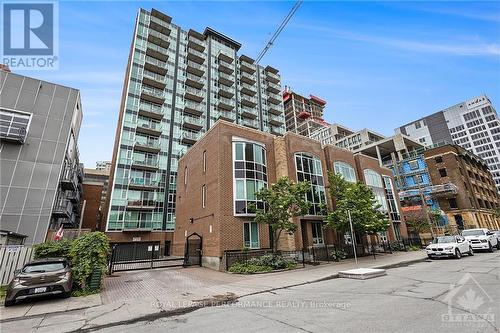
[(278, 31)]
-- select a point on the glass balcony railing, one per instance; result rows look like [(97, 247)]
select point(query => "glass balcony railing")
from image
[(227, 77), (156, 62), (151, 125), (193, 121), (150, 107), (146, 162), (196, 53), (248, 77), (152, 92), (249, 111), (194, 136), (154, 76), (198, 81), (195, 65), (159, 35), (250, 122), (158, 49), (226, 101), (137, 225), (194, 91), (160, 22), (147, 142), (196, 42), (144, 182)]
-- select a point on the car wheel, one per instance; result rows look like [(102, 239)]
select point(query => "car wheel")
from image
[(430, 257), (490, 249), (9, 303), (458, 255), (498, 245), (471, 251)]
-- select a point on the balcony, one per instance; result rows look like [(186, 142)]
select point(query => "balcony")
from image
[(141, 204), (247, 66), (143, 183), (195, 68), (247, 78), (195, 81), (273, 87), (147, 145), (150, 110), (226, 92), (157, 52), (225, 67), (158, 38), (159, 25), (248, 89), (250, 113), (148, 127), (152, 95), (226, 103), (194, 94), (193, 108), (196, 43), (190, 138), (274, 99), (275, 109), (193, 123), (62, 209), (196, 56), (153, 79), (271, 77), (226, 115), (275, 120), (248, 100), (225, 57), (155, 65), (137, 226), (225, 79), (276, 130), (74, 197), (69, 180), (145, 164), (250, 123)]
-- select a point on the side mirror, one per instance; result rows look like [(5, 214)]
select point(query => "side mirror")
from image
[(459, 240), (17, 271), (489, 233)]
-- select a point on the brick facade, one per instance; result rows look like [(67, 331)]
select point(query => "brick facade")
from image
[(474, 204), (216, 223)]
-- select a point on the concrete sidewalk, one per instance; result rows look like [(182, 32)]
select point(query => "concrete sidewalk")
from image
[(150, 305)]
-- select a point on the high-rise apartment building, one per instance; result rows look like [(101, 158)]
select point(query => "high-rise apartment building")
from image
[(303, 115), (178, 84), (40, 174), (473, 125)]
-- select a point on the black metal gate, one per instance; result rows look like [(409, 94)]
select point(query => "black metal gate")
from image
[(140, 255), (193, 250)]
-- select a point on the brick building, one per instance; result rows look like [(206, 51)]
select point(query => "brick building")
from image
[(219, 175), (95, 188), (473, 204)]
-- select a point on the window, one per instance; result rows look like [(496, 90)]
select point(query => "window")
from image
[(393, 206), (413, 165), (14, 125), (250, 176), (345, 170), (309, 168), (374, 181), (251, 235), (205, 161), (373, 178), (438, 159), (453, 203), (317, 233), (418, 125), (443, 173), (203, 196)]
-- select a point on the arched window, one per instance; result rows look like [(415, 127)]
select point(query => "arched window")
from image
[(345, 170), (374, 181), (308, 168)]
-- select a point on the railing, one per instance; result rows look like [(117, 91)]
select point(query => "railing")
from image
[(193, 120), (158, 48), (140, 140), (273, 76), (248, 76), (195, 78), (154, 76), (196, 41), (159, 35), (227, 115), (159, 22), (276, 118), (150, 107), (226, 101), (153, 92), (248, 86), (274, 85), (156, 62), (149, 125), (193, 105), (192, 64), (146, 162), (191, 135), (194, 91), (144, 182), (196, 52), (250, 122), (249, 110), (226, 76), (249, 99), (141, 203)]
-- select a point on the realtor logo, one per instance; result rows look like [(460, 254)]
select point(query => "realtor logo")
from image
[(468, 304), (29, 38)]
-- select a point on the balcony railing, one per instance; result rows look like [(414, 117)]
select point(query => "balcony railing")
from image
[(274, 109), (248, 89), (226, 103), (149, 127), (152, 144), (141, 204), (143, 182), (194, 94), (194, 81), (150, 108), (226, 57), (247, 67), (149, 163), (275, 120), (225, 67), (160, 25), (226, 79), (154, 79), (196, 55), (226, 92), (63, 208), (157, 51), (248, 78), (226, 115), (274, 99), (193, 107), (272, 77), (137, 225), (192, 122), (195, 68), (249, 112), (190, 137), (273, 87), (152, 92), (250, 123), (248, 100), (196, 43)]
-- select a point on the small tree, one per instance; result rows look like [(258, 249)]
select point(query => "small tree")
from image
[(282, 201), (359, 200), (418, 223)]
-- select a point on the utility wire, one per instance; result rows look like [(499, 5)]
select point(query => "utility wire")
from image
[(278, 31)]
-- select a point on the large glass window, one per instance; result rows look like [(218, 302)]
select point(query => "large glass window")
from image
[(374, 181), (250, 176), (309, 168), (393, 207), (251, 235), (317, 233), (14, 125), (345, 170)]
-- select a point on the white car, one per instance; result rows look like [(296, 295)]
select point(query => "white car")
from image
[(449, 246), (481, 239)]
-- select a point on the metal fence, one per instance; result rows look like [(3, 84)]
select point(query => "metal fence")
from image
[(13, 257)]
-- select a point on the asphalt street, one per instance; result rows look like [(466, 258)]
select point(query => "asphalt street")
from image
[(445, 295)]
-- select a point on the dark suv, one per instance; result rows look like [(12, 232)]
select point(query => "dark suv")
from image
[(50, 276)]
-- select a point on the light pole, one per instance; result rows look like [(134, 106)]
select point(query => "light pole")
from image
[(353, 239)]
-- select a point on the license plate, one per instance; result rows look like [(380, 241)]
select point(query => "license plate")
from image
[(438, 253), (40, 290)]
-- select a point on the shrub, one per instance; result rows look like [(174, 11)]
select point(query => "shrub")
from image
[(248, 268), (266, 263), (414, 248), (274, 261), (88, 253), (338, 255), (53, 249)]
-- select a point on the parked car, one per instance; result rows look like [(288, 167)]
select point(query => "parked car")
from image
[(481, 239), (50, 276), (449, 246), (497, 234)]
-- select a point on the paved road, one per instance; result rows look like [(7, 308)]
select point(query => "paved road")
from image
[(417, 298)]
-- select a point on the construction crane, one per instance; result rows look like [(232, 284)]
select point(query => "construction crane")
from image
[(278, 31)]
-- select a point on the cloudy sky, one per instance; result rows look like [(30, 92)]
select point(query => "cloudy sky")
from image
[(377, 64)]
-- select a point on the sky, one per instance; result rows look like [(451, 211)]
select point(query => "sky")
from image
[(378, 65)]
